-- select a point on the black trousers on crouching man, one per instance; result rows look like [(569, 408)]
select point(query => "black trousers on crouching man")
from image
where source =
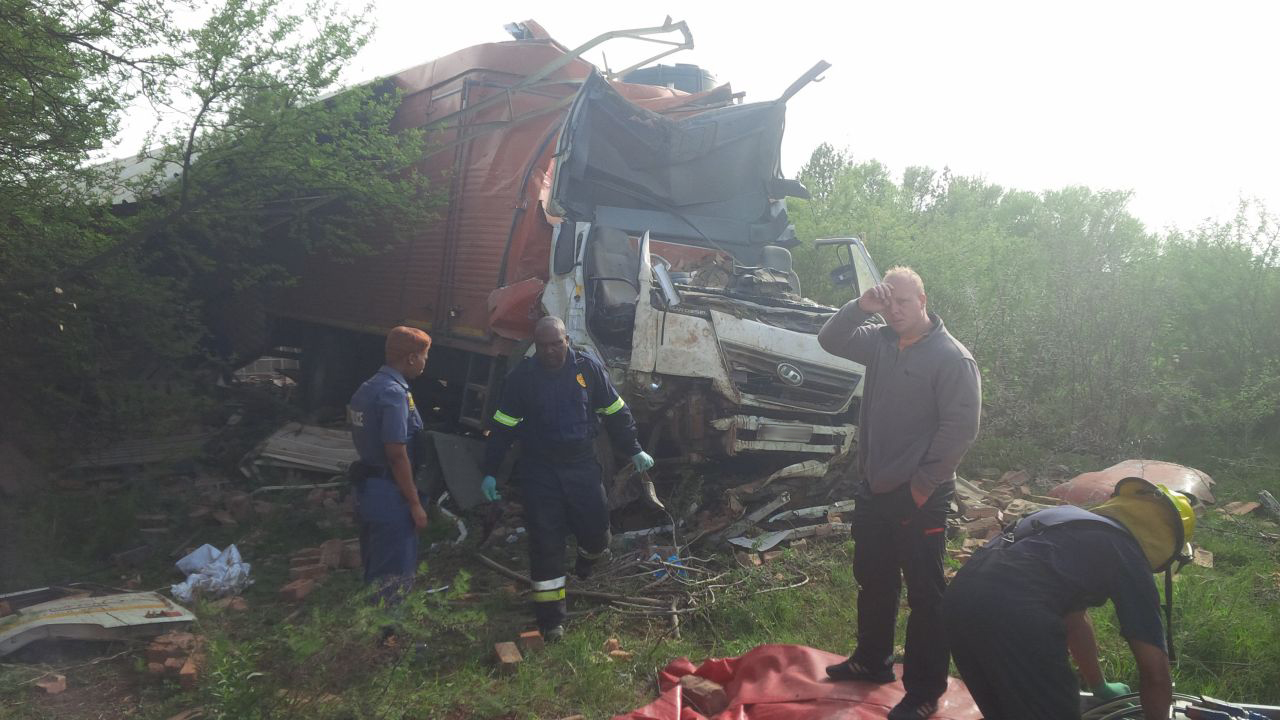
[(563, 495), (895, 540)]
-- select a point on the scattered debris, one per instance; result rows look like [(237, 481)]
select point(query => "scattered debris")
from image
[(351, 558), (1269, 502), (302, 447), (815, 512), (531, 642), (76, 613), (612, 644), (508, 655), (297, 590), (313, 572), (621, 655), (331, 553), (212, 573), (755, 516), (1202, 557), (1092, 488), (706, 696), (980, 512), (53, 683), (770, 540), (177, 655), (982, 528), (1239, 508)]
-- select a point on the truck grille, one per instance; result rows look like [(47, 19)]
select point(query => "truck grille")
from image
[(761, 374)]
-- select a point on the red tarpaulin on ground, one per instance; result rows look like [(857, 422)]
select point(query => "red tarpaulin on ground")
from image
[(789, 682)]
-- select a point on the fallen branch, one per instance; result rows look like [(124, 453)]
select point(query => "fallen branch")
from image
[(785, 587), (592, 594)]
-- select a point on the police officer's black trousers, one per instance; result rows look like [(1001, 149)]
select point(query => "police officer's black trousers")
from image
[(893, 540), (1009, 645), (563, 495)]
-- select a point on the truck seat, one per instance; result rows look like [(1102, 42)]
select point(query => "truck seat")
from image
[(612, 266), (611, 256)]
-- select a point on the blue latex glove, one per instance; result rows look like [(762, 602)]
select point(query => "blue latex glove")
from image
[(489, 486), (642, 460), (1110, 691)]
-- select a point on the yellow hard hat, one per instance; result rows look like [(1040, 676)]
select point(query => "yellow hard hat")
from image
[(1160, 519)]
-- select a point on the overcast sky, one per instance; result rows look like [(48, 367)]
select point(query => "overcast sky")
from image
[(1175, 101)]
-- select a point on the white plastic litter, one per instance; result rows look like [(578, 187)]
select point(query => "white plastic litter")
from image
[(211, 573)]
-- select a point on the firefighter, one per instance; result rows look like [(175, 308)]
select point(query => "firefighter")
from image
[(1017, 609), (384, 421), (551, 403)]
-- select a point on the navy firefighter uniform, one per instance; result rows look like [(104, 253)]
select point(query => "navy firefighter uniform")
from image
[(556, 415), (382, 411)]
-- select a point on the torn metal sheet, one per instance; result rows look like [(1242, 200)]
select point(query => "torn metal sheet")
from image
[(455, 460), (815, 512), (304, 447), (770, 540), (806, 469), (1092, 488), (756, 515), (145, 452), (108, 617)]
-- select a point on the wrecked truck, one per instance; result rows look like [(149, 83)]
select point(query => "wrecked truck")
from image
[(651, 218)]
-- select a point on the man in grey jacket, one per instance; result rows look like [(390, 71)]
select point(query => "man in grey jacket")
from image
[(920, 410)]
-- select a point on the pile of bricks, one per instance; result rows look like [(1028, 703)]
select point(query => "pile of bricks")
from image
[(179, 655), (310, 566)]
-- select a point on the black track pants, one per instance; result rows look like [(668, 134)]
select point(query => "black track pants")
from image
[(893, 540)]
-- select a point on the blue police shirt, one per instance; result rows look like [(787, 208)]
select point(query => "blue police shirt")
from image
[(382, 411)]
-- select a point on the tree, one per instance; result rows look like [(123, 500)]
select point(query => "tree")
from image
[(249, 168)]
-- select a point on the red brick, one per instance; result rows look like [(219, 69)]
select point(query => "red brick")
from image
[(308, 571), (52, 683), (351, 555), (240, 506), (331, 553), (706, 696), (189, 675), (509, 657), (531, 642), (297, 590)]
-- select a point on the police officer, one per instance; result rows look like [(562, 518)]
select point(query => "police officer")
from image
[(550, 404), (383, 422)]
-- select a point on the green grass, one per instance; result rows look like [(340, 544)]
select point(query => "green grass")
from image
[(323, 661)]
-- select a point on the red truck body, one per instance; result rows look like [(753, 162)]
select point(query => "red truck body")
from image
[(494, 162)]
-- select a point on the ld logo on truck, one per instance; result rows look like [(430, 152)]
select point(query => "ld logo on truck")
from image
[(790, 374)]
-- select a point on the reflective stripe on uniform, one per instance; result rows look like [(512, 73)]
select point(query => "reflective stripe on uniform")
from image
[(551, 584), (615, 407), (591, 556), (506, 419), (548, 596), (548, 590)]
